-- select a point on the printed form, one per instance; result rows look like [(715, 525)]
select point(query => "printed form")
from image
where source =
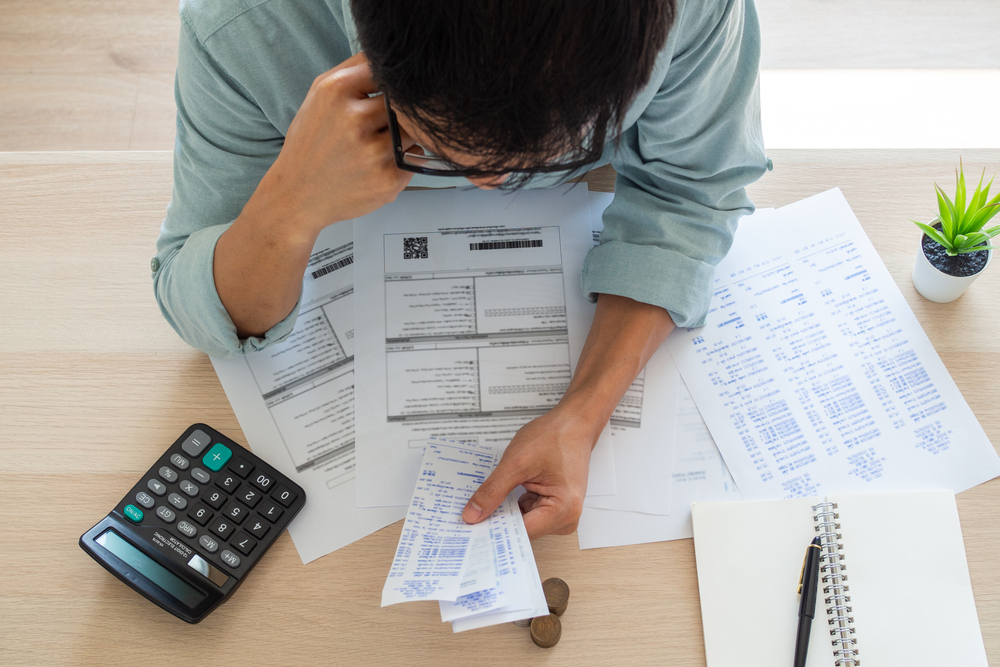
[(473, 318), (481, 574), (813, 374), (295, 403)]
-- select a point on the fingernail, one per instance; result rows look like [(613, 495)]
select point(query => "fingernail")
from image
[(472, 512)]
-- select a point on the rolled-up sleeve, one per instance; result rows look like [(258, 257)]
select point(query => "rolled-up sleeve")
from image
[(682, 171), (224, 146)]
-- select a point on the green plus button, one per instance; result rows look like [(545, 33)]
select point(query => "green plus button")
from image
[(133, 513), (217, 457)]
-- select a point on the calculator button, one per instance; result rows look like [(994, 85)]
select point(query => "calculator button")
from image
[(236, 512), (216, 457), (284, 496), (229, 558), (270, 511), (196, 443), (241, 467), (187, 529), (208, 544), (167, 474), (133, 513), (244, 543), (250, 496), (227, 483), (262, 481), (178, 501), (144, 499), (179, 461), (190, 488), (201, 514), (166, 514), (200, 476), (256, 527), (214, 499), (157, 487), (222, 527)]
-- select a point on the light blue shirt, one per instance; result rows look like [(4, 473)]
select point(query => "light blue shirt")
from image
[(691, 143)]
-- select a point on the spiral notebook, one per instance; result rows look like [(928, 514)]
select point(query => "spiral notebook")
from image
[(895, 586)]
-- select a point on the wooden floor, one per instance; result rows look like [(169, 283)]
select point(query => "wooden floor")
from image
[(98, 74)]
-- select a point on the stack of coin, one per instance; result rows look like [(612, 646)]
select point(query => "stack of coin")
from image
[(547, 630)]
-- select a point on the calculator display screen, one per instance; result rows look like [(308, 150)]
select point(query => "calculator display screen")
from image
[(150, 569)]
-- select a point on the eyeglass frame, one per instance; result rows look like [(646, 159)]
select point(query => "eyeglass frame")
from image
[(398, 154)]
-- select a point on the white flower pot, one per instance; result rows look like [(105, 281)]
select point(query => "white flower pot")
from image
[(936, 285)]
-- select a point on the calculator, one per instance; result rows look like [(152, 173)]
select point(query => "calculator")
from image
[(191, 529)]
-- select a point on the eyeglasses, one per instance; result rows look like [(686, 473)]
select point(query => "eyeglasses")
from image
[(435, 165)]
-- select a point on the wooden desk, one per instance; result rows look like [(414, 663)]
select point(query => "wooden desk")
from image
[(94, 385)]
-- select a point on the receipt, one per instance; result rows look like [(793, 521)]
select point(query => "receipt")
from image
[(435, 545)]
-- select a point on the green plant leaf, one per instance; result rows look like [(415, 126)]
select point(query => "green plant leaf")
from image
[(960, 209), (993, 231), (934, 234), (975, 204), (967, 250), (983, 216), (947, 211)]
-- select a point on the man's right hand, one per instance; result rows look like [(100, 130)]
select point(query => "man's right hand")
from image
[(336, 164), (337, 160)]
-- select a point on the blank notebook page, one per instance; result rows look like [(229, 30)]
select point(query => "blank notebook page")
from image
[(909, 584)]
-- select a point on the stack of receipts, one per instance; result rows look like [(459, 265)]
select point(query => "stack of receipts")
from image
[(481, 574)]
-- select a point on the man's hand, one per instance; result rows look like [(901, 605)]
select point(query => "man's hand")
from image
[(336, 164), (550, 456)]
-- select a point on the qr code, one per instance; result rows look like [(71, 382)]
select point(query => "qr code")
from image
[(415, 247)]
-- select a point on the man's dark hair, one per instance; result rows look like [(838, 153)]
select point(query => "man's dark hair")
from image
[(516, 82)]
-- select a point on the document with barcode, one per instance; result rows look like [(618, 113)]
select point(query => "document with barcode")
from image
[(472, 317)]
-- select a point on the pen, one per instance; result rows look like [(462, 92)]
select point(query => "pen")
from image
[(808, 581)]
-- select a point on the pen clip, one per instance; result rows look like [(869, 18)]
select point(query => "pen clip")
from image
[(802, 574)]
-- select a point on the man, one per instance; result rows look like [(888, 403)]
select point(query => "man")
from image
[(280, 133)]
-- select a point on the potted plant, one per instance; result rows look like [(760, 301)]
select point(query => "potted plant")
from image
[(955, 248)]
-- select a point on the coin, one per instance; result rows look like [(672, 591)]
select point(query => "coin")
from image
[(556, 595), (546, 630), (523, 623)]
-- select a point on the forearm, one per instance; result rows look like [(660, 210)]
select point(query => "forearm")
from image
[(623, 337), (259, 262)]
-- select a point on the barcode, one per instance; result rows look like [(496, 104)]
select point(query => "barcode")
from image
[(330, 268), (506, 245), (414, 247)]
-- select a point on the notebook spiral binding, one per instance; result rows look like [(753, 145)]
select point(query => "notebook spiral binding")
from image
[(835, 588)]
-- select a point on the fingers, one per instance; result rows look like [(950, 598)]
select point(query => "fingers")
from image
[(353, 78), (547, 519), (488, 497)]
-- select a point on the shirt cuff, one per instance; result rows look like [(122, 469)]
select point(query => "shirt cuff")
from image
[(184, 284), (653, 275)]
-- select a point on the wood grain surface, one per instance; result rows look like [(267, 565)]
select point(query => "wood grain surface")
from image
[(94, 385)]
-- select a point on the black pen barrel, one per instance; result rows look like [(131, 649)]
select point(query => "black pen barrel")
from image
[(802, 640)]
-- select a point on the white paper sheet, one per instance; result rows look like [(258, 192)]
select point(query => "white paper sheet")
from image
[(812, 372), (295, 403), (436, 545), (699, 473), (472, 317), (643, 439)]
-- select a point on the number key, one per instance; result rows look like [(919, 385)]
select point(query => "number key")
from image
[(227, 482), (236, 512), (270, 511), (250, 496), (262, 481), (200, 514), (214, 499), (222, 527), (284, 495), (244, 543), (257, 528)]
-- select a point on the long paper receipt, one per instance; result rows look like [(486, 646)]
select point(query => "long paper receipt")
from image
[(481, 574)]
